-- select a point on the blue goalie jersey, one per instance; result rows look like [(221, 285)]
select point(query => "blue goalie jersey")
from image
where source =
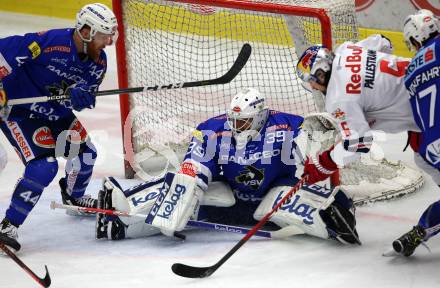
[(266, 161), (45, 64), (423, 83)]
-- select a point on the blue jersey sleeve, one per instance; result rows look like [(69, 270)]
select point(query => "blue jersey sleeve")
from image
[(15, 51), (203, 152)]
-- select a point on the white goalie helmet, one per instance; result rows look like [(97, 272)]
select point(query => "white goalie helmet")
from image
[(247, 113), (315, 58), (99, 18), (420, 27)]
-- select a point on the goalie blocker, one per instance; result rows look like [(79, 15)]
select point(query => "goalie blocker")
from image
[(171, 201)]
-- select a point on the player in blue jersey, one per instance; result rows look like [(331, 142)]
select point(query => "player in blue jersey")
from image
[(55, 62), (237, 167), (422, 31)]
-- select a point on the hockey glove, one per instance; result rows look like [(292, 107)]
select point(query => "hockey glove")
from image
[(319, 168), (81, 97)]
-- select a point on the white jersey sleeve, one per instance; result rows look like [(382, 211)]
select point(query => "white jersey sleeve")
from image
[(376, 42)]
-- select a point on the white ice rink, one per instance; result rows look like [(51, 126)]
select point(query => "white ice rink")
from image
[(75, 259)]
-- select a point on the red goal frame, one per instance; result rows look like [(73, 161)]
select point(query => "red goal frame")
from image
[(318, 13)]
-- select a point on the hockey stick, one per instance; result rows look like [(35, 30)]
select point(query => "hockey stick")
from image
[(239, 63), (45, 282), (277, 234), (202, 272)]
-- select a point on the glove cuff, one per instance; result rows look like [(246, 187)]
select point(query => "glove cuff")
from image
[(325, 164)]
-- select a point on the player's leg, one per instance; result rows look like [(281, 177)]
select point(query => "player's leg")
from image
[(74, 143), (428, 226), (34, 143)]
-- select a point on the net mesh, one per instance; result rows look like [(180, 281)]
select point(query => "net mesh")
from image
[(170, 42)]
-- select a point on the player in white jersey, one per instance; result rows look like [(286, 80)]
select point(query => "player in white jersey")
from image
[(362, 86)]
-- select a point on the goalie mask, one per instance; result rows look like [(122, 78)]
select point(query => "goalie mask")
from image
[(247, 114), (315, 64), (420, 27), (101, 20)]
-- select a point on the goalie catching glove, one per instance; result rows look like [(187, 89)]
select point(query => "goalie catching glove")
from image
[(319, 133)]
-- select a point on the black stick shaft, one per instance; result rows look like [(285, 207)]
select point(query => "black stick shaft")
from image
[(202, 272), (238, 65)]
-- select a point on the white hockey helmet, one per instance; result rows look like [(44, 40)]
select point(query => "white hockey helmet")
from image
[(99, 18), (247, 112), (420, 27), (315, 58)]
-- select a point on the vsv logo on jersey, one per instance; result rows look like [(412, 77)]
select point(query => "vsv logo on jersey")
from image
[(251, 176), (294, 206), (169, 205), (433, 152)]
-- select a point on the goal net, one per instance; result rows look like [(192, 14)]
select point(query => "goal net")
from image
[(165, 42)]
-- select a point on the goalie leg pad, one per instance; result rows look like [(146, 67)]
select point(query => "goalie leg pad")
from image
[(178, 200), (305, 208), (136, 200)]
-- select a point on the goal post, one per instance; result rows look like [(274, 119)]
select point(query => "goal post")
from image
[(189, 40)]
